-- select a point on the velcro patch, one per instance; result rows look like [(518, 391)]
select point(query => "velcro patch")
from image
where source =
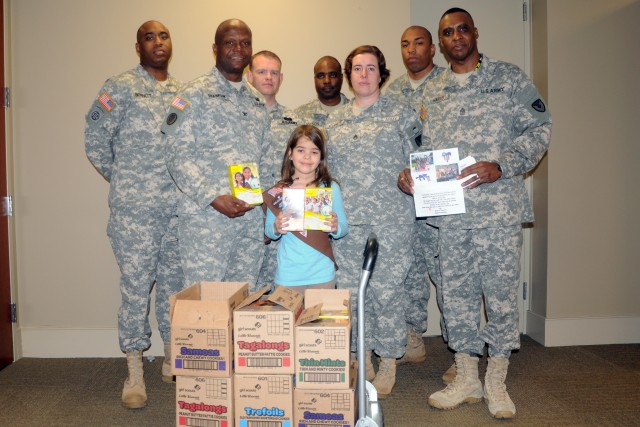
[(173, 120), (95, 115), (179, 103), (107, 102), (531, 99), (539, 106)]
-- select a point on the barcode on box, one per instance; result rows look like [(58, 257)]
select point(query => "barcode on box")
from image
[(197, 422), (264, 424), (309, 377), (202, 365), (264, 362)]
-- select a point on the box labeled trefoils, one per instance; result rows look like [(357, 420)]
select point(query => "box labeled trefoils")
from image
[(263, 400), (201, 327)]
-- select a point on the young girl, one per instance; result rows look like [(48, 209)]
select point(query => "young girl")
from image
[(305, 258)]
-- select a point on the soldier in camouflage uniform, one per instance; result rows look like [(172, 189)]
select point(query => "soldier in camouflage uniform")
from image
[(214, 122), (265, 77), (327, 75), (490, 110), (417, 54), (369, 141), (123, 141)]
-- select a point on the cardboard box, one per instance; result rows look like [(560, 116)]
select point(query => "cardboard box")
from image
[(263, 400), (201, 327), (322, 339), (263, 327), (315, 407), (204, 401)]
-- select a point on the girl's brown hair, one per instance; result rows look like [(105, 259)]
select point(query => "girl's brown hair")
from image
[(317, 137)]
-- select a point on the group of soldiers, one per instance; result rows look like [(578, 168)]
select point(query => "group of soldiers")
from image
[(165, 148)]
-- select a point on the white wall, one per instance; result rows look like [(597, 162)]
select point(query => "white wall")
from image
[(62, 51), (591, 294)]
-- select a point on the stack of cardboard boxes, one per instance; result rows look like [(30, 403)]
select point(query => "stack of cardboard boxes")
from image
[(202, 352), (325, 378), (290, 361)]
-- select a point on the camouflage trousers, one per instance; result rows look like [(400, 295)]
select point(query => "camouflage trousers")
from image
[(269, 264), (385, 326), (214, 247), (476, 263), (425, 266), (145, 245)]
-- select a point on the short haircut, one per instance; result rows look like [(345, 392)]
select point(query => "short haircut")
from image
[(266, 53), (457, 10), (382, 63)]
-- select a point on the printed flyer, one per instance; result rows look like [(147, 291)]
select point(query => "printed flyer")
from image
[(436, 190)]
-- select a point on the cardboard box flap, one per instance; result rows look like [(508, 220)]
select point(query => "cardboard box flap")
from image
[(309, 314), (217, 291), (286, 297), (253, 297), (331, 299), (221, 290), (190, 293), (201, 314)]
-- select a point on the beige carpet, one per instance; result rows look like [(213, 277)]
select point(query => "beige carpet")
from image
[(562, 386)]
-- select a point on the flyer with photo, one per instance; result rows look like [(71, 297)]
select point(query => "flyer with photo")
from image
[(436, 190)]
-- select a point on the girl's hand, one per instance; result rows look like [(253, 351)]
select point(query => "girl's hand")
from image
[(282, 220), (332, 223)]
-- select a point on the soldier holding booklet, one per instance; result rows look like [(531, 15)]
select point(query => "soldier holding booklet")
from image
[(305, 258)]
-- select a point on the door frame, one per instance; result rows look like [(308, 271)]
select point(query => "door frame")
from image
[(6, 313)]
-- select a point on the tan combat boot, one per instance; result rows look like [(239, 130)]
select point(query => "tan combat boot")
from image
[(449, 375), (134, 394), (167, 375), (370, 372), (465, 388), (386, 377), (415, 351), (495, 391)]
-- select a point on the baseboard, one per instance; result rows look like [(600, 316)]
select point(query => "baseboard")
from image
[(69, 343), (583, 331)]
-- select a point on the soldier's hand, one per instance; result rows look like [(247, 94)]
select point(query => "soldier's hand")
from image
[(405, 182), (231, 206), (485, 172)]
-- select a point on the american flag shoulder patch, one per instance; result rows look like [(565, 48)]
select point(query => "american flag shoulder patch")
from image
[(179, 103), (106, 102)]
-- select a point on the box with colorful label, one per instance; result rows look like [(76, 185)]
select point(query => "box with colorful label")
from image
[(263, 327), (307, 208), (201, 327), (322, 340), (245, 183), (319, 407), (293, 207), (204, 401), (263, 400), (318, 203)]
